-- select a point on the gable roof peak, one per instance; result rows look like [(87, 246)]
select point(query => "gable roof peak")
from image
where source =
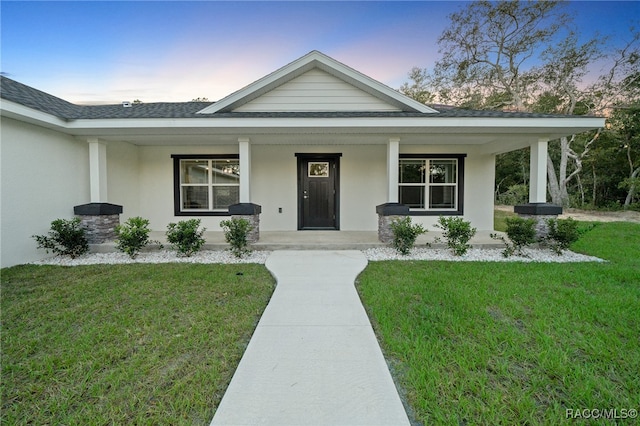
[(317, 59)]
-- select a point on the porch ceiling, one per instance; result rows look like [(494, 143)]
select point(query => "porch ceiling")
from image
[(320, 137)]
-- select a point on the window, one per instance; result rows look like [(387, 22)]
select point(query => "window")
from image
[(431, 184), (205, 185)]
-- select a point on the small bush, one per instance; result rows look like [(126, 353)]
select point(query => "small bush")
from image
[(457, 232), (562, 233), (515, 194), (66, 238), (185, 237), (405, 234), (235, 233), (521, 233), (133, 236)]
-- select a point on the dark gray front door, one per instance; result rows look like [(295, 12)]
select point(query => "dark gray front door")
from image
[(318, 192)]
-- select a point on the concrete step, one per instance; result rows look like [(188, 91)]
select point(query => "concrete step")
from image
[(311, 240)]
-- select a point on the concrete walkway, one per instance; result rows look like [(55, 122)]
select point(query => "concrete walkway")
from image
[(314, 358)]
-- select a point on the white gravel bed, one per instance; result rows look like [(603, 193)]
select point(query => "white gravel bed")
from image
[(157, 256), (478, 255), (374, 254)]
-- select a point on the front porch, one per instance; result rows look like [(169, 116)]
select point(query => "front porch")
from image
[(311, 240)]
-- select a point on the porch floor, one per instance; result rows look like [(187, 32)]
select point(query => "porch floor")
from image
[(312, 240)]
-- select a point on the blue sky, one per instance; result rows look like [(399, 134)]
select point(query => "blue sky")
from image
[(107, 52)]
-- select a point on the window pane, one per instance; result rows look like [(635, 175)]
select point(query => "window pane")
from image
[(194, 171), (412, 196), (224, 196), (195, 197), (226, 171), (442, 197), (412, 171), (442, 171)]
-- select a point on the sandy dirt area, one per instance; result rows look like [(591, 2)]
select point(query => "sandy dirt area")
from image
[(592, 216)]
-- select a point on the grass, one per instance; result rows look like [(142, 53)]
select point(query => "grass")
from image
[(471, 343), (513, 343), (499, 219), (124, 344)]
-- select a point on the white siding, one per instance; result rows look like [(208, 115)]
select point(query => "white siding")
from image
[(362, 184), (274, 181), (156, 184), (44, 175), (316, 90), (479, 176), (273, 184), (123, 178)]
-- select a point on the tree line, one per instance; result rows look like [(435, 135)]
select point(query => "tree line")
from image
[(530, 56)]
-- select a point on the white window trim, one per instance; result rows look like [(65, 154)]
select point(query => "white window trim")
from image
[(209, 185), (458, 185), (179, 185)]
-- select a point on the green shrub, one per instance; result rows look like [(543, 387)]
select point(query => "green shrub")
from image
[(521, 233), (66, 238), (405, 234), (562, 233), (514, 195), (185, 237), (133, 236), (457, 232), (235, 233)]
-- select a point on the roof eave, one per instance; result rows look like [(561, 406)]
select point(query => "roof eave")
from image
[(24, 113), (463, 125)]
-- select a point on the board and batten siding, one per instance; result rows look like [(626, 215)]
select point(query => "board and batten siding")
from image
[(316, 90)]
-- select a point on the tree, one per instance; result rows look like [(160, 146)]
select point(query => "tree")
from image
[(418, 89), (603, 171), (200, 100), (486, 50), (564, 66), (627, 124), (617, 92), (522, 56), (489, 52)]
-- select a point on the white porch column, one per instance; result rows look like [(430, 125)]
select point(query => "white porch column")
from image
[(97, 170), (538, 172), (393, 158), (245, 169)]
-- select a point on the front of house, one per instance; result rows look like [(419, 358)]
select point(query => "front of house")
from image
[(314, 145)]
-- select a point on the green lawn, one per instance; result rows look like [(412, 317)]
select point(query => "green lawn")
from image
[(513, 343), (471, 343), (128, 344), (499, 219)]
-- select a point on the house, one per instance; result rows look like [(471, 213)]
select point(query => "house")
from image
[(313, 145)]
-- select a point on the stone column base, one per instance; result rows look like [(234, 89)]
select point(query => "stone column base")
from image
[(250, 212), (99, 220), (540, 212), (387, 213)]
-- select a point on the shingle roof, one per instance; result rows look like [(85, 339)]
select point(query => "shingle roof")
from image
[(28, 96), (150, 110), (444, 113)]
